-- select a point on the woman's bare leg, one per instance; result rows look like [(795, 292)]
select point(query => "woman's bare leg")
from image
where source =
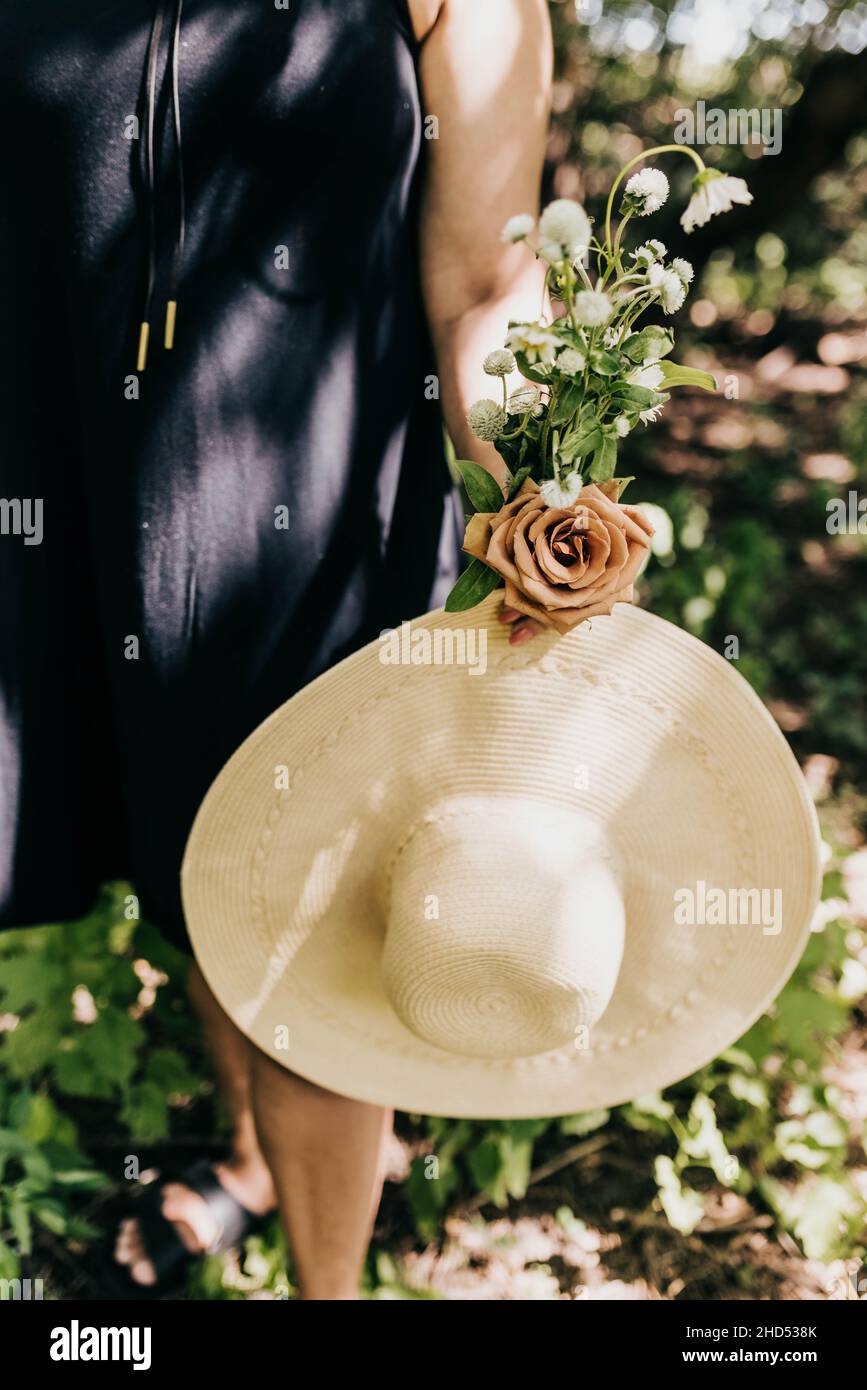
[(245, 1173), (326, 1153)]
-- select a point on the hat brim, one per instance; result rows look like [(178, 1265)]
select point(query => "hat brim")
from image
[(628, 719)]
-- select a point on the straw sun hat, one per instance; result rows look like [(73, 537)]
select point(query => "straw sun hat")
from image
[(468, 879)]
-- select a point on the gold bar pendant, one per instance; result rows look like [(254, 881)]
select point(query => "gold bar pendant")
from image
[(171, 315), (144, 334)]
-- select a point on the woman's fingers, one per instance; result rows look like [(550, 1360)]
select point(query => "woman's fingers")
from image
[(523, 627), (524, 630)]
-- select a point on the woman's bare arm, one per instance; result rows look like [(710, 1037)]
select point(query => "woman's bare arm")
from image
[(486, 75)]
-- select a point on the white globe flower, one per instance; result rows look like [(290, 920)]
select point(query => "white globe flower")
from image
[(537, 343), (500, 362), (646, 192), (622, 425), (553, 252), (487, 420), (518, 228), (564, 493), (668, 286), (713, 192), (524, 400), (683, 269), (672, 292), (566, 224), (571, 362), (651, 251), (592, 308)]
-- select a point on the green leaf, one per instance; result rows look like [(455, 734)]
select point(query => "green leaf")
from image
[(28, 979), (19, 1220), (110, 1044), (584, 1123), (653, 341), (483, 491), (41, 1120), (476, 582), (32, 1045), (703, 1141), (623, 484), (811, 1140), (166, 1067), (673, 375), (52, 1215), (682, 1206), (76, 1075), (831, 1209), (579, 444), (428, 1196), (604, 462), (605, 363), (484, 1163), (532, 373), (641, 397), (518, 480), (146, 1112), (568, 403), (10, 1265), (650, 1114)]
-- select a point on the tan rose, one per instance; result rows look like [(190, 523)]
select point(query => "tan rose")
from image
[(563, 565)]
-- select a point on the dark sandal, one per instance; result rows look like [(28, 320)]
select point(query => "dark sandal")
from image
[(164, 1247)]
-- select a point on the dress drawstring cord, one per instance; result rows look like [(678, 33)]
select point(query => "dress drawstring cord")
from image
[(152, 177)]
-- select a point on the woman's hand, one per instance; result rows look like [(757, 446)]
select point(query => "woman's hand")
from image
[(523, 628)]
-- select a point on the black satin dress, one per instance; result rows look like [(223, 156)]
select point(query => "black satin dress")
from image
[(257, 502)]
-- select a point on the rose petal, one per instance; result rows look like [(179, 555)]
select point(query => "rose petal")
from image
[(478, 534)]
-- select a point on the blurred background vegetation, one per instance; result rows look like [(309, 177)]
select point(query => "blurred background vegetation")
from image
[(750, 1179)]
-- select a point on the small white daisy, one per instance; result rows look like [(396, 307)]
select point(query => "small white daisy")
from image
[(668, 286), (650, 376), (536, 342), (648, 253), (683, 269), (563, 493), (713, 192)]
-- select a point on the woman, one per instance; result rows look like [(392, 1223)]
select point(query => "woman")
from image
[(252, 484)]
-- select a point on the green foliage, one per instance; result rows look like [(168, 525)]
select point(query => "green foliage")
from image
[(476, 582), (77, 1032), (41, 1172)]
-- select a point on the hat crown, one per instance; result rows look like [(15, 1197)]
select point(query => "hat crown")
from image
[(505, 927)]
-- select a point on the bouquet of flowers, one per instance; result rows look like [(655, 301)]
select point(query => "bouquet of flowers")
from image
[(561, 540)]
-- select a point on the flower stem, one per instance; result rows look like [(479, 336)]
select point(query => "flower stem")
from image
[(639, 158)]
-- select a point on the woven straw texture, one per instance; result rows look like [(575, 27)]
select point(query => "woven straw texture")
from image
[(455, 893)]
